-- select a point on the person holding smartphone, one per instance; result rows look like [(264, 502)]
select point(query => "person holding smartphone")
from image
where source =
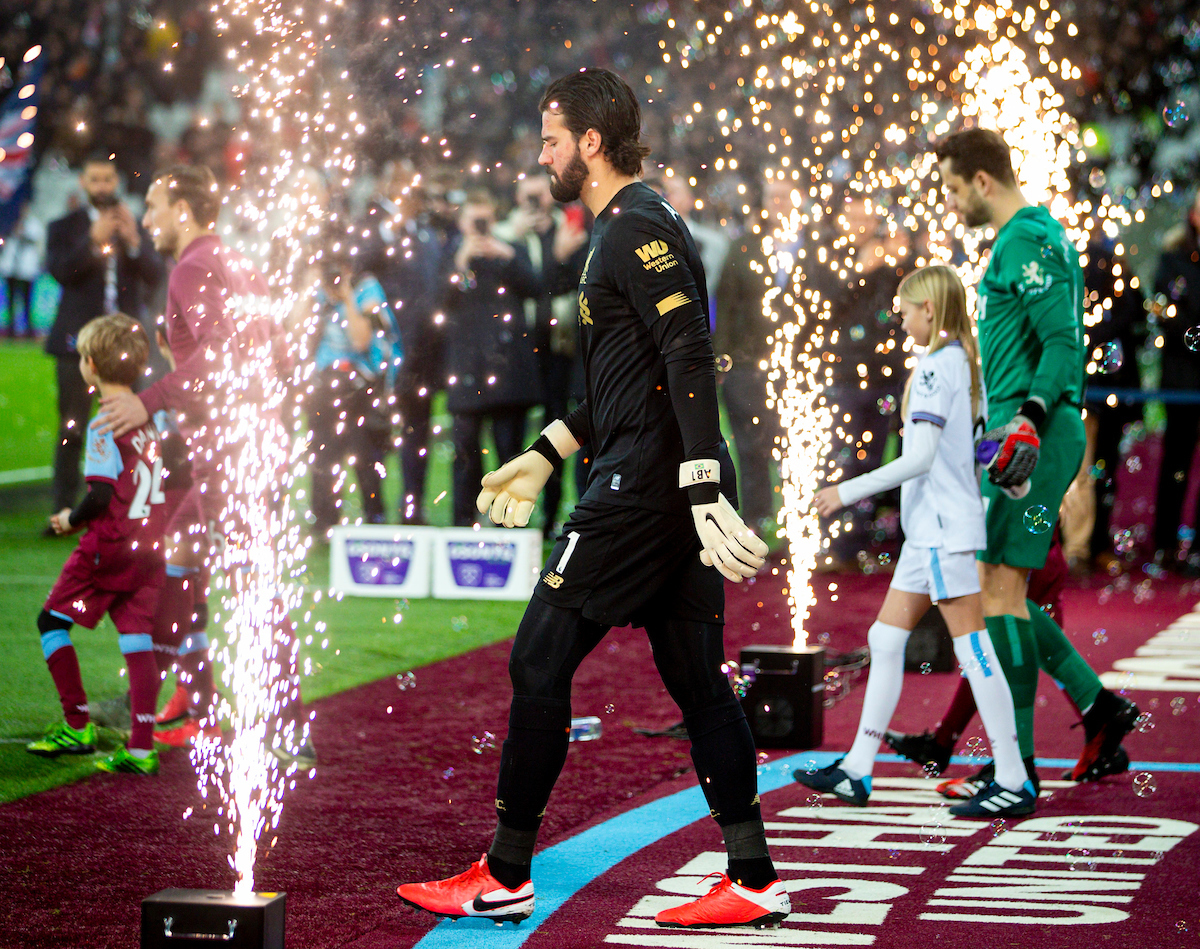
[(491, 368), (556, 240)]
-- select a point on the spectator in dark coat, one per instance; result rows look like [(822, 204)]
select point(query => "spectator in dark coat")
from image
[(405, 257), (557, 243), (105, 263), (1178, 283), (1112, 363), (491, 368)]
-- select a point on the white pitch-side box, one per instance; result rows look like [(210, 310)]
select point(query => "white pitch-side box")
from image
[(381, 560), (486, 564)]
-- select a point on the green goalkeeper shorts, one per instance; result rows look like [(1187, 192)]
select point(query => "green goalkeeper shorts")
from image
[(1019, 533)]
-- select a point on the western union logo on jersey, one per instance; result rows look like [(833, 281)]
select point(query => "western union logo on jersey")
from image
[(656, 256), (585, 311)]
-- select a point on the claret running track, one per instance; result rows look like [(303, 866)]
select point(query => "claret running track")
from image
[(402, 796)]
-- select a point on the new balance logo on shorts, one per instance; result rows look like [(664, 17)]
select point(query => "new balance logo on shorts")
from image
[(552, 580)]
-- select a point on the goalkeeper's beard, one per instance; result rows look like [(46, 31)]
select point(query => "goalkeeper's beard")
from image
[(569, 186)]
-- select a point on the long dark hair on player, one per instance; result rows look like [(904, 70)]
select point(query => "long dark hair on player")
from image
[(941, 287), (601, 100)]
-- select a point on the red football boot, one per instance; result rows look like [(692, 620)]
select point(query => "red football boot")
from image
[(176, 708), (474, 893), (187, 733), (731, 904)]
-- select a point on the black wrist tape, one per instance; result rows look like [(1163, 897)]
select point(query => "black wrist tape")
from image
[(1033, 410), (706, 492), (544, 447)]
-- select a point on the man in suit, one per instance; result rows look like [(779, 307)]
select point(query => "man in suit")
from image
[(98, 255)]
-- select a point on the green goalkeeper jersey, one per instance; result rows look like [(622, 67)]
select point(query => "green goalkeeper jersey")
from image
[(1030, 314)]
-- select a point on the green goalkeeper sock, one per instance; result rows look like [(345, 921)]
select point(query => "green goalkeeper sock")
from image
[(1061, 660), (1016, 649)]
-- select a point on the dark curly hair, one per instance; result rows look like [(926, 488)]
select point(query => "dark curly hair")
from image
[(601, 100), (972, 150)]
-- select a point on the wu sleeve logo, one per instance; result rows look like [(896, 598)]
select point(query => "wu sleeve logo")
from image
[(585, 311), (656, 256), (649, 251), (587, 263)]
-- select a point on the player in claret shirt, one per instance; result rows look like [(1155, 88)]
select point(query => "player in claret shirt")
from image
[(641, 546), (118, 567), (214, 315)]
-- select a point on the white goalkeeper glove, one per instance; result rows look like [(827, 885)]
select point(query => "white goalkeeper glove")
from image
[(510, 491), (726, 542)]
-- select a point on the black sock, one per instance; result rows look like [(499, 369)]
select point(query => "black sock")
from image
[(511, 875), (1031, 770), (755, 873)]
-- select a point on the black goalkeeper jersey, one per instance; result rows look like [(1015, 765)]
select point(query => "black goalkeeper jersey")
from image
[(648, 360)]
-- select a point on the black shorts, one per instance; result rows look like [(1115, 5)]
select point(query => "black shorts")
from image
[(625, 566)]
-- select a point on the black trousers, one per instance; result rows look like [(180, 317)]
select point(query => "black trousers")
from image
[(508, 432), (550, 644), (1179, 442), (867, 431), (368, 443), (20, 291), (754, 428), (415, 405), (74, 407), (1111, 428), (556, 383)]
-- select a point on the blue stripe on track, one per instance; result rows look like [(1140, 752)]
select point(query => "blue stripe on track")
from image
[(566, 868)]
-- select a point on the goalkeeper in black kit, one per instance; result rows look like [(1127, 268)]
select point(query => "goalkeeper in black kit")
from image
[(651, 537)]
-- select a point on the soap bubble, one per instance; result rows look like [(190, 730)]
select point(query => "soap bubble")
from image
[(857, 332), (1097, 178), (883, 316), (1144, 723), (762, 757), (1144, 784), (1037, 519), (1178, 705), (999, 827), (926, 668), (1191, 338), (933, 833), (976, 748), (1100, 636), (1112, 356), (447, 774), (931, 769), (406, 681), (814, 800), (1181, 926), (1178, 288), (724, 362), (482, 743), (459, 623), (609, 708), (887, 405), (1175, 114), (1081, 860), (1047, 251)]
